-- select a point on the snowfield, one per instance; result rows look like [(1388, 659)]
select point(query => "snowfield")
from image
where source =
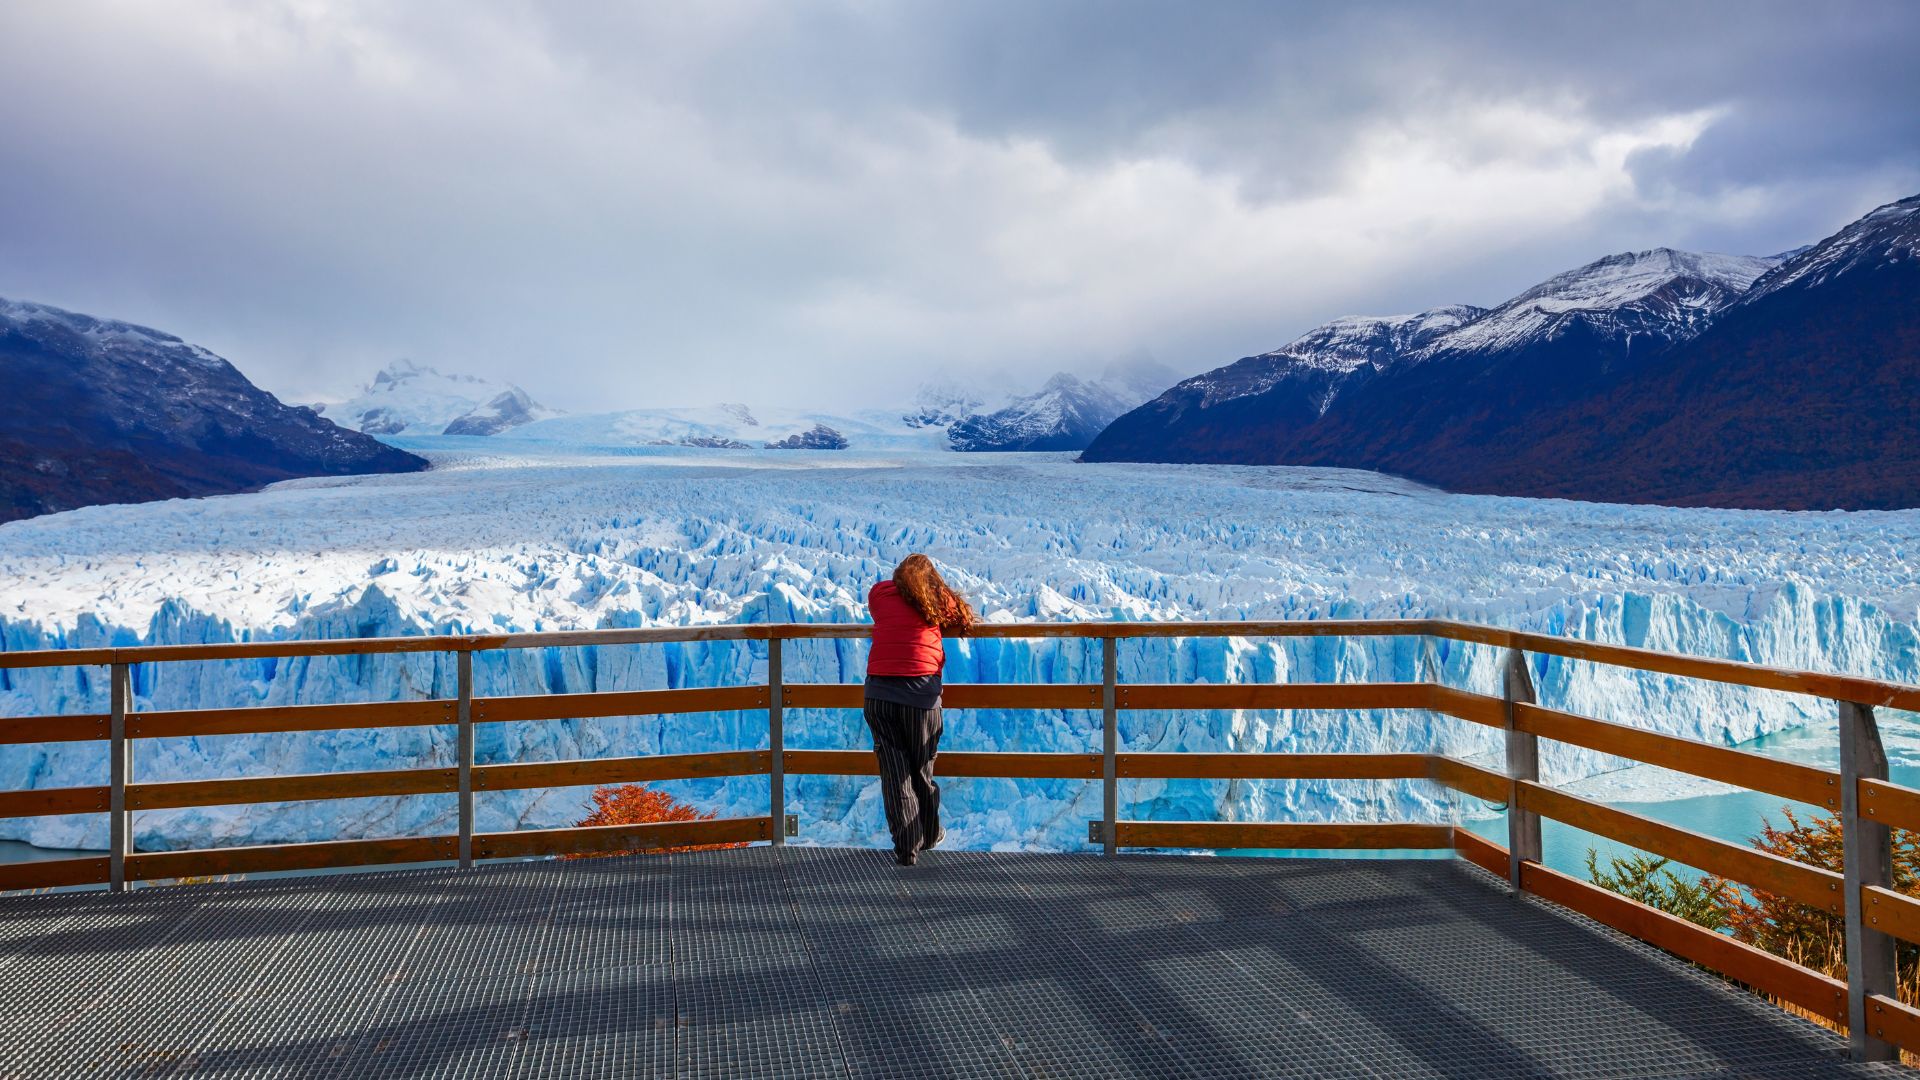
[(528, 535)]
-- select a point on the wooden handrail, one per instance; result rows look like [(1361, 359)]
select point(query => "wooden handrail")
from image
[(1821, 889), (1283, 834), (1819, 684), (1866, 902), (1741, 768)]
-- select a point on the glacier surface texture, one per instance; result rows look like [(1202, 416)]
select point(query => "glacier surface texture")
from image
[(539, 536)]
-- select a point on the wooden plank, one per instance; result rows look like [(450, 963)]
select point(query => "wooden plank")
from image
[(1894, 1021), (1480, 851), (41, 802), (1761, 970), (822, 695), (1020, 696), (622, 703), (593, 838), (39, 658), (640, 635), (1194, 629), (15, 730), (1274, 695), (259, 650), (1466, 705), (1019, 765), (953, 763), (1821, 684), (953, 696), (1817, 888), (1199, 766), (1288, 834), (299, 788), (1741, 768), (214, 862), (53, 873), (621, 770), (1890, 912), (259, 719), (1890, 804), (833, 762), (1479, 782), (1817, 684)]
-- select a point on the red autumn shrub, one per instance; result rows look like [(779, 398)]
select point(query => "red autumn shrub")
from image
[(637, 804)]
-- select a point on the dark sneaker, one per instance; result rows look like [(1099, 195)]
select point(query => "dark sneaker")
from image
[(906, 860)]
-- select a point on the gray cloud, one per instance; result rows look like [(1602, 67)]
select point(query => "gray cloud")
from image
[(642, 204)]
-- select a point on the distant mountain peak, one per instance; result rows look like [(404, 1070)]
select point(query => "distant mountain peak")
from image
[(1888, 235), (409, 398), (1659, 292), (1066, 413)]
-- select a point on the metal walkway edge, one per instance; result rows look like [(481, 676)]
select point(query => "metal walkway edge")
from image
[(825, 962)]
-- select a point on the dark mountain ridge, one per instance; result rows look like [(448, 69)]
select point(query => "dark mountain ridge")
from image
[(99, 411), (1655, 376)]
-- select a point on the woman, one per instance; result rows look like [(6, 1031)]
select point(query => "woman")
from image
[(910, 613)]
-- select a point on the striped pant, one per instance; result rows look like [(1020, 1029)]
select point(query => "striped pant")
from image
[(905, 739)]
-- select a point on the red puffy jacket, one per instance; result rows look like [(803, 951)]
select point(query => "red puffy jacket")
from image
[(903, 643)]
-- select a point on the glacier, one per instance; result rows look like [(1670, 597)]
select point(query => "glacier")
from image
[(525, 534)]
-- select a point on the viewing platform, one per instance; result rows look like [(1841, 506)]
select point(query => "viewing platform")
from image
[(782, 959), (833, 962)]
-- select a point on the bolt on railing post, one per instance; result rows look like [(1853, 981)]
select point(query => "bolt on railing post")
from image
[(119, 773), (776, 745), (1109, 747), (463, 716), (1867, 847), (1523, 765)]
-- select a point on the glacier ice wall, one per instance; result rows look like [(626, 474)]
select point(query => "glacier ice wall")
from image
[(537, 539)]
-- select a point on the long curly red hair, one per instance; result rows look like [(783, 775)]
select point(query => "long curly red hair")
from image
[(929, 595)]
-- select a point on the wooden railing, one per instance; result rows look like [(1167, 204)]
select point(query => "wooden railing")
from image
[(1868, 805)]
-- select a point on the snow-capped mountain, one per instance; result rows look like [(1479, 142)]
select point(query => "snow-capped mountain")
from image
[(510, 408), (1645, 300), (406, 398), (101, 411), (1427, 396), (1888, 237), (1788, 382), (948, 414), (1804, 394), (943, 403), (734, 426), (1064, 414), (1281, 391)]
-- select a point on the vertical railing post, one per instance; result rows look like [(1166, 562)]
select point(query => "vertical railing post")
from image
[(776, 744), (1109, 747), (119, 774), (463, 716), (1523, 766), (1867, 847)]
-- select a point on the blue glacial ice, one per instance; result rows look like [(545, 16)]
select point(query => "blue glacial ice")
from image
[(503, 537)]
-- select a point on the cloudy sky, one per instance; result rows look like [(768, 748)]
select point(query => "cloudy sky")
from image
[(828, 203)]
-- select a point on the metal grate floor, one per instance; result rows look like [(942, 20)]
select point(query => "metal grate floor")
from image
[(833, 962)]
